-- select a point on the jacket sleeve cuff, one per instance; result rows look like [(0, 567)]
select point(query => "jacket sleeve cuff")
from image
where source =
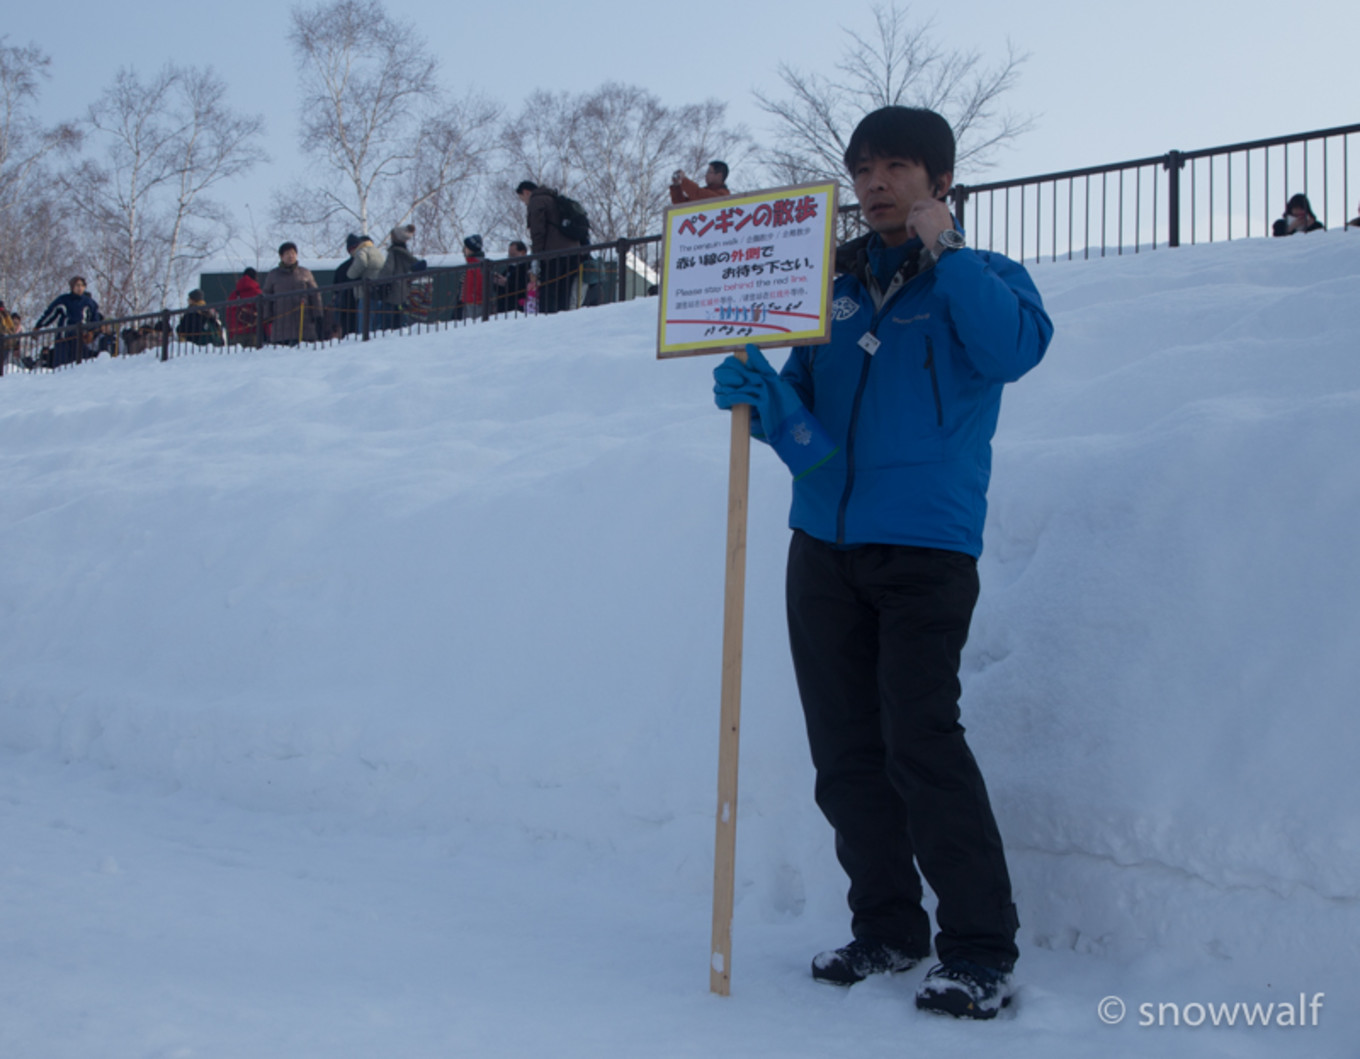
[(802, 443)]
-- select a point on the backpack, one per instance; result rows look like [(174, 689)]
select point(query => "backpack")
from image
[(572, 219)]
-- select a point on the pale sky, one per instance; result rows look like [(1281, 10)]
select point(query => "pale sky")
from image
[(1106, 82)]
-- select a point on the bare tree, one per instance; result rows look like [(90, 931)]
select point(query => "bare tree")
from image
[(142, 205), (35, 249), (374, 113), (614, 150), (900, 64)]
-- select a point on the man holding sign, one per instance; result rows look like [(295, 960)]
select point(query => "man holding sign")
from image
[(887, 429)]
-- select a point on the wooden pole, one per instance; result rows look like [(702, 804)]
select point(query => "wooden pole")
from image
[(734, 606)]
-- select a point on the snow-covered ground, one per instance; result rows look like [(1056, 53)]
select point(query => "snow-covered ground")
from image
[(363, 701)]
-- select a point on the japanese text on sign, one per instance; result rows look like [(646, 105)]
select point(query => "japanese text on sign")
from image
[(754, 268)]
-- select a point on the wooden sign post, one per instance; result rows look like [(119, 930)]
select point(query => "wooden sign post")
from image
[(748, 269)]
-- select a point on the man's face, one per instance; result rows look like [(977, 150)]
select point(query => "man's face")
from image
[(713, 178), (78, 287), (525, 196), (887, 188), (288, 257), (515, 251)]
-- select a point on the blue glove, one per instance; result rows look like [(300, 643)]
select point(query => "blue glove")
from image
[(777, 412)]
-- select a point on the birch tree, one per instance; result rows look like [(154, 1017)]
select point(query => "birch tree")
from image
[(142, 200), (900, 63), (614, 149), (374, 115), (35, 249)]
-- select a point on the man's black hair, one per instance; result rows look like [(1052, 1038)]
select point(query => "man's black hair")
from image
[(519, 244), (74, 280), (287, 246), (913, 133), (250, 272), (525, 185), (721, 167)]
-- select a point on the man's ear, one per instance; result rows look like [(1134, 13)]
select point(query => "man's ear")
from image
[(943, 183)]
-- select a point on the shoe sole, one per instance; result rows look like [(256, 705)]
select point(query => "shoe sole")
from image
[(958, 1006)]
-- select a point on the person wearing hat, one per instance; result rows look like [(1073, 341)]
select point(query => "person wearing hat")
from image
[(400, 262), (474, 282), (292, 301), (367, 261), (199, 325), (343, 313)]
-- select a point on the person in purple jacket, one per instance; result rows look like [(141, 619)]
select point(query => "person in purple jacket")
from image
[(887, 429)]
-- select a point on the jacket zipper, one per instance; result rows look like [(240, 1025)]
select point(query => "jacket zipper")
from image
[(850, 449), (883, 309), (934, 382)]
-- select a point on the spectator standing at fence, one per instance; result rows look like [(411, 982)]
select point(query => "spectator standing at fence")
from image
[(292, 301), (1298, 217), (69, 311), (401, 262), (683, 189), (544, 220), (474, 287), (343, 315), (242, 320), (199, 325), (889, 500), (9, 326), (1356, 222), (369, 262), (512, 279)]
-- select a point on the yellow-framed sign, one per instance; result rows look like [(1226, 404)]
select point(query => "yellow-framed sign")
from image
[(753, 268)]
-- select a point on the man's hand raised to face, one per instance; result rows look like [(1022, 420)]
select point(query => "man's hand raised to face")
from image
[(927, 218)]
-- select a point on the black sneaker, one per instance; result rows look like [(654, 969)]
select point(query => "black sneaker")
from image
[(858, 960), (964, 989)]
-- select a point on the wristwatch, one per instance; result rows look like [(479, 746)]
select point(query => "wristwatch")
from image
[(949, 239)]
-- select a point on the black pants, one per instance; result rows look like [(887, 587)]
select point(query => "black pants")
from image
[(554, 288), (877, 633)]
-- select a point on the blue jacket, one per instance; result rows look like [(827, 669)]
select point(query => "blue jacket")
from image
[(914, 420)]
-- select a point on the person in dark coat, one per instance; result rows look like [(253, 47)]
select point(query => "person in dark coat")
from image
[(344, 311), (396, 295), (70, 311), (545, 234), (199, 325), (512, 279), (1298, 217)]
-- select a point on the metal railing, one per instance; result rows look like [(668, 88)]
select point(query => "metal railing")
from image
[(430, 299), (1209, 195), (1126, 207)]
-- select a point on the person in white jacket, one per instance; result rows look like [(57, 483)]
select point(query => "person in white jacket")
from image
[(368, 263)]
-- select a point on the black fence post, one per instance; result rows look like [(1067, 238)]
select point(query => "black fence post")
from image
[(958, 194), (165, 335), (364, 311), (258, 302), (485, 267), (623, 269), (1174, 163)]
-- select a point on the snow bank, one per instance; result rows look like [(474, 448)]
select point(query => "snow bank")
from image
[(472, 579)]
